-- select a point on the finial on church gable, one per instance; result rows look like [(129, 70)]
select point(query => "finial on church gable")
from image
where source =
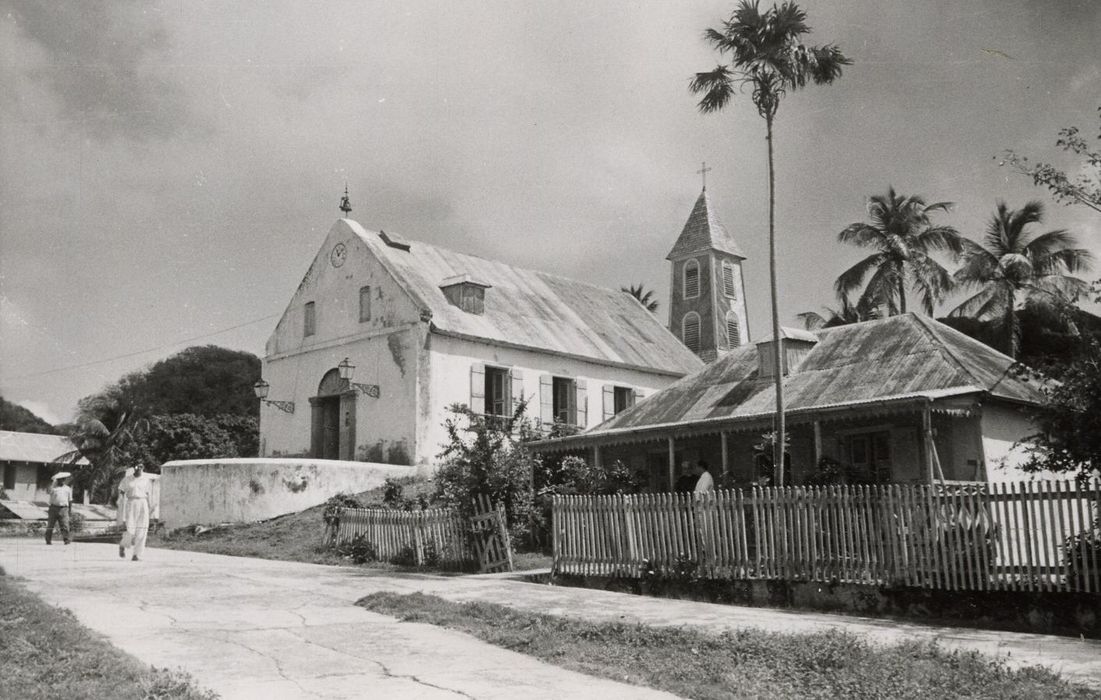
[(345, 203)]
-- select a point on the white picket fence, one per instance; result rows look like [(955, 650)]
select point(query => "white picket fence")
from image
[(955, 536)]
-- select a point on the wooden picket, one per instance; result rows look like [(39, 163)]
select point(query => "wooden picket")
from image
[(953, 536), (401, 533)]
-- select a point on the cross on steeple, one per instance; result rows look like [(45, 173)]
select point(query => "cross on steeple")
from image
[(703, 171), (345, 203)]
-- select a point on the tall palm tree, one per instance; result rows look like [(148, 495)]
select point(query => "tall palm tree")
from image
[(644, 296), (904, 239), (764, 52), (1014, 267)]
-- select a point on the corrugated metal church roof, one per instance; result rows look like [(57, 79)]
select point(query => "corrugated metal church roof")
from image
[(907, 356), (533, 309), (702, 232), (35, 447)]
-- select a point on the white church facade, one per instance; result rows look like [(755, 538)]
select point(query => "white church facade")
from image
[(419, 328)]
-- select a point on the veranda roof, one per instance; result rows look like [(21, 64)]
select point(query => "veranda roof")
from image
[(897, 363)]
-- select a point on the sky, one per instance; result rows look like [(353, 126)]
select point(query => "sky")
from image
[(169, 169)]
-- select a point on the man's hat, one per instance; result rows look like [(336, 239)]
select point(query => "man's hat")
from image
[(61, 475)]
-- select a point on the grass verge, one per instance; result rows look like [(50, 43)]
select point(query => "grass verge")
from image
[(294, 537), (744, 664), (45, 654)]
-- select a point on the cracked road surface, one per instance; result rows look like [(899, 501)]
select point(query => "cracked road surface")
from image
[(251, 628)]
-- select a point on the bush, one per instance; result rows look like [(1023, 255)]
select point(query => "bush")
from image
[(360, 550), (488, 458)]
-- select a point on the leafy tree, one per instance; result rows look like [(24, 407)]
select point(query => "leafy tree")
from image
[(765, 53), (202, 380), (644, 296), (181, 436), (15, 417), (1069, 420), (904, 240), (1014, 266), (1085, 188)]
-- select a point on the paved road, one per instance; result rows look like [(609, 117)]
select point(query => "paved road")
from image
[(255, 628), (249, 628)]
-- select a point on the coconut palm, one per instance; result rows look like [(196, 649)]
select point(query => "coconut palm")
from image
[(644, 296), (764, 52), (847, 314), (904, 240), (105, 425), (1014, 267)]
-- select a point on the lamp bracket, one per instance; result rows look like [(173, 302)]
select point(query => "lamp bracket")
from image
[(284, 406), (371, 390)]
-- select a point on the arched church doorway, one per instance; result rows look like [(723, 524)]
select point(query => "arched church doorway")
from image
[(333, 418)]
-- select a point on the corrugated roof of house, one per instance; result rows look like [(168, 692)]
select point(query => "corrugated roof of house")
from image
[(703, 231), (899, 357), (36, 447), (534, 309)]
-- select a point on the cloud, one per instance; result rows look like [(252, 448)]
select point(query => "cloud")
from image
[(98, 58)]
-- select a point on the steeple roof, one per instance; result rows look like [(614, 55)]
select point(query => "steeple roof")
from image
[(703, 232)]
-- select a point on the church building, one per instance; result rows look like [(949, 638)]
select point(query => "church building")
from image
[(383, 334)]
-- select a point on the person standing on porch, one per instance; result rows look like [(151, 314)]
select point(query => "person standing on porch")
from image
[(61, 501), (704, 481), (135, 488)]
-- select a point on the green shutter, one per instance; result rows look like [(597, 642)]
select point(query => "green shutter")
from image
[(581, 409), (517, 390), (478, 387), (546, 400), (609, 401)]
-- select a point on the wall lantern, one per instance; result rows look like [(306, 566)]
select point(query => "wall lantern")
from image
[(347, 370), (261, 389)]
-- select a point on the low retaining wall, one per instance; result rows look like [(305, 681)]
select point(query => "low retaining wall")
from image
[(1047, 612), (208, 492)]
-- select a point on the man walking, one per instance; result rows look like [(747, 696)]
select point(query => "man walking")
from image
[(61, 499), (136, 489)]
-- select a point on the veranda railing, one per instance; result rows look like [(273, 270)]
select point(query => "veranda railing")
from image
[(954, 536)]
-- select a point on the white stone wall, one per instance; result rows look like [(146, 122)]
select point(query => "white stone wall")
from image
[(1002, 426), (206, 492), (450, 360)]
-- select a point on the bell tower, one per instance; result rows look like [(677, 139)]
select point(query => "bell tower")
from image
[(707, 308)]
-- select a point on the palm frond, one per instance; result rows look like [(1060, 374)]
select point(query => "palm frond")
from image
[(717, 87), (988, 303), (882, 288), (862, 235), (852, 279)]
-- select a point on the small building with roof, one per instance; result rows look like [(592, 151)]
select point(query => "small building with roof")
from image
[(900, 400), (383, 334), (29, 460)]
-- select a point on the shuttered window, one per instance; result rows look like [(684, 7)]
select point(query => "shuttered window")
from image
[(728, 280), (691, 279), (310, 323), (690, 331), (733, 330), (364, 304)]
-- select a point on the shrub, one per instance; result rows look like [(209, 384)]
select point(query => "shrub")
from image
[(392, 492), (488, 458), (360, 550)]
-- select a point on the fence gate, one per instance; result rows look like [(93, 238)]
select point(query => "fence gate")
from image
[(490, 534)]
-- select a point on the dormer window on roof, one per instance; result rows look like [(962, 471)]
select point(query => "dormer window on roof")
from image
[(466, 293)]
